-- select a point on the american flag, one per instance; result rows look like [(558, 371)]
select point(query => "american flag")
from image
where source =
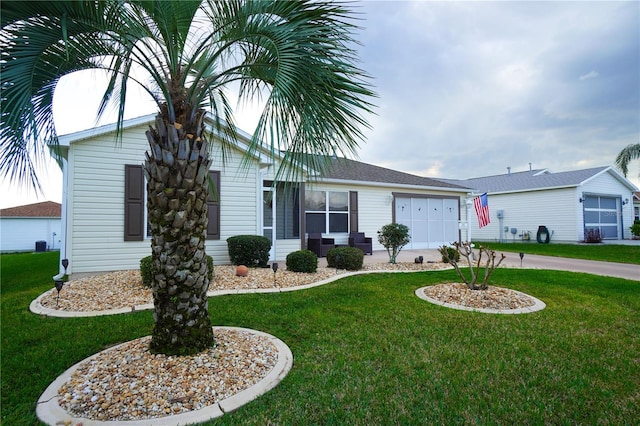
[(481, 203)]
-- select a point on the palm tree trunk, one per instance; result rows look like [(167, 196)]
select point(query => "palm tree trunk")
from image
[(176, 169)]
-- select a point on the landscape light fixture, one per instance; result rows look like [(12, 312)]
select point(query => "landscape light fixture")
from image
[(521, 257), (60, 283), (274, 266)]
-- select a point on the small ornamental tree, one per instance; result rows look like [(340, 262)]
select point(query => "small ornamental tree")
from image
[(393, 237), (465, 250)]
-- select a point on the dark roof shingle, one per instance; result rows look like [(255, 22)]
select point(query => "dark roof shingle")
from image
[(346, 169), (529, 180)]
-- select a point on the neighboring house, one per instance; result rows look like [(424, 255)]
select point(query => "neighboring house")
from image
[(104, 201), (568, 204), (636, 206), (22, 227)]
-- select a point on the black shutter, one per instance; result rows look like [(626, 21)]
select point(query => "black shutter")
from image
[(213, 207), (353, 211), (133, 203)]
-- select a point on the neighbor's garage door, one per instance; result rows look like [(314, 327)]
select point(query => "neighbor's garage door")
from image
[(602, 213), (432, 222)]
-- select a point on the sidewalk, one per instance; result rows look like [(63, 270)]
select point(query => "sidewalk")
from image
[(620, 270)]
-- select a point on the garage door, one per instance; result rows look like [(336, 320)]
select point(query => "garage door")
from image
[(432, 222), (602, 213)]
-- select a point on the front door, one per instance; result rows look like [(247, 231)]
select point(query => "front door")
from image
[(268, 218)]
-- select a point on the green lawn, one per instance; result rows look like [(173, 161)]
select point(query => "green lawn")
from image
[(368, 351), (603, 252)]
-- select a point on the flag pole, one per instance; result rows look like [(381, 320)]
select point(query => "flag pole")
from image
[(468, 203)]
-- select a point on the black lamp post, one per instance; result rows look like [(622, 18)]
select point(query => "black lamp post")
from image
[(60, 283), (274, 266)]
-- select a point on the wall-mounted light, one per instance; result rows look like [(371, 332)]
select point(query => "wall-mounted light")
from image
[(626, 200), (390, 199), (581, 200)]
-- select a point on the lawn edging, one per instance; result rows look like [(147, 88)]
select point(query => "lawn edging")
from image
[(36, 307), (537, 306), (49, 411)]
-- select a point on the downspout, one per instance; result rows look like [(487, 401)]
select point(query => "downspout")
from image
[(64, 222)]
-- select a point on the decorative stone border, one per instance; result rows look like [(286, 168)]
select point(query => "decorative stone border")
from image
[(49, 411), (36, 307), (537, 306)]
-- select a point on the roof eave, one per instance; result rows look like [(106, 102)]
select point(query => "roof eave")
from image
[(392, 185)]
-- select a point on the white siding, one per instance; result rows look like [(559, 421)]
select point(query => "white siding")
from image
[(284, 247), (21, 234), (375, 207), (526, 211), (96, 204)]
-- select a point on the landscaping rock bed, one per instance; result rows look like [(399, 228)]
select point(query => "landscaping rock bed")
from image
[(496, 298), (130, 383), (124, 289)]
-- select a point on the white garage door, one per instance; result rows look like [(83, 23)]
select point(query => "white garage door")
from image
[(432, 222), (602, 213)]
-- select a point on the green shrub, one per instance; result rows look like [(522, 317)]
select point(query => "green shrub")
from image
[(349, 258), (449, 253), (147, 271), (209, 268), (393, 237), (635, 228), (249, 250), (302, 261)]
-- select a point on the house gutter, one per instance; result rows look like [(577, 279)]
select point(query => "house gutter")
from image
[(64, 220), (390, 185)]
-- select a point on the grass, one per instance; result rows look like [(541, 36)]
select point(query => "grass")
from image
[(368, 351), (603, 252)]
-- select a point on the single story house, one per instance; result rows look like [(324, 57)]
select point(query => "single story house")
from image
[(30, 227), (104, 201), (568, 204)]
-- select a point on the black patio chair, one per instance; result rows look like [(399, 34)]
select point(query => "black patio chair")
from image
[(358, 240), (320, 245)]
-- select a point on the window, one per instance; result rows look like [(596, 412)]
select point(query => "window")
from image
[(287, 210), (135, 225), (327, 211)]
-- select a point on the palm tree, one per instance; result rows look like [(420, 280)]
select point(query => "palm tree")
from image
[(628, 153), (186, 55)]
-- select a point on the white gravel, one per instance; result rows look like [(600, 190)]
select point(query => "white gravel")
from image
[(124, 289), (130, 383)]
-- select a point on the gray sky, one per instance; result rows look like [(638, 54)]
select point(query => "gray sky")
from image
[(467, 89), (470, 88)]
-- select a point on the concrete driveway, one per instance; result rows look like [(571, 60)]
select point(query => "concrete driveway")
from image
[(620, 270)]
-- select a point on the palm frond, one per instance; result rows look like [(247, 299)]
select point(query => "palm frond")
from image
[(186, 54), (628, 153)]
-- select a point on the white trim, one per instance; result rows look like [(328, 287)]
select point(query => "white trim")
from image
[(388, 185)]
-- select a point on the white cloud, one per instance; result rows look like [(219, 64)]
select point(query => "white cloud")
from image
[(589, 75), (469, 88)]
